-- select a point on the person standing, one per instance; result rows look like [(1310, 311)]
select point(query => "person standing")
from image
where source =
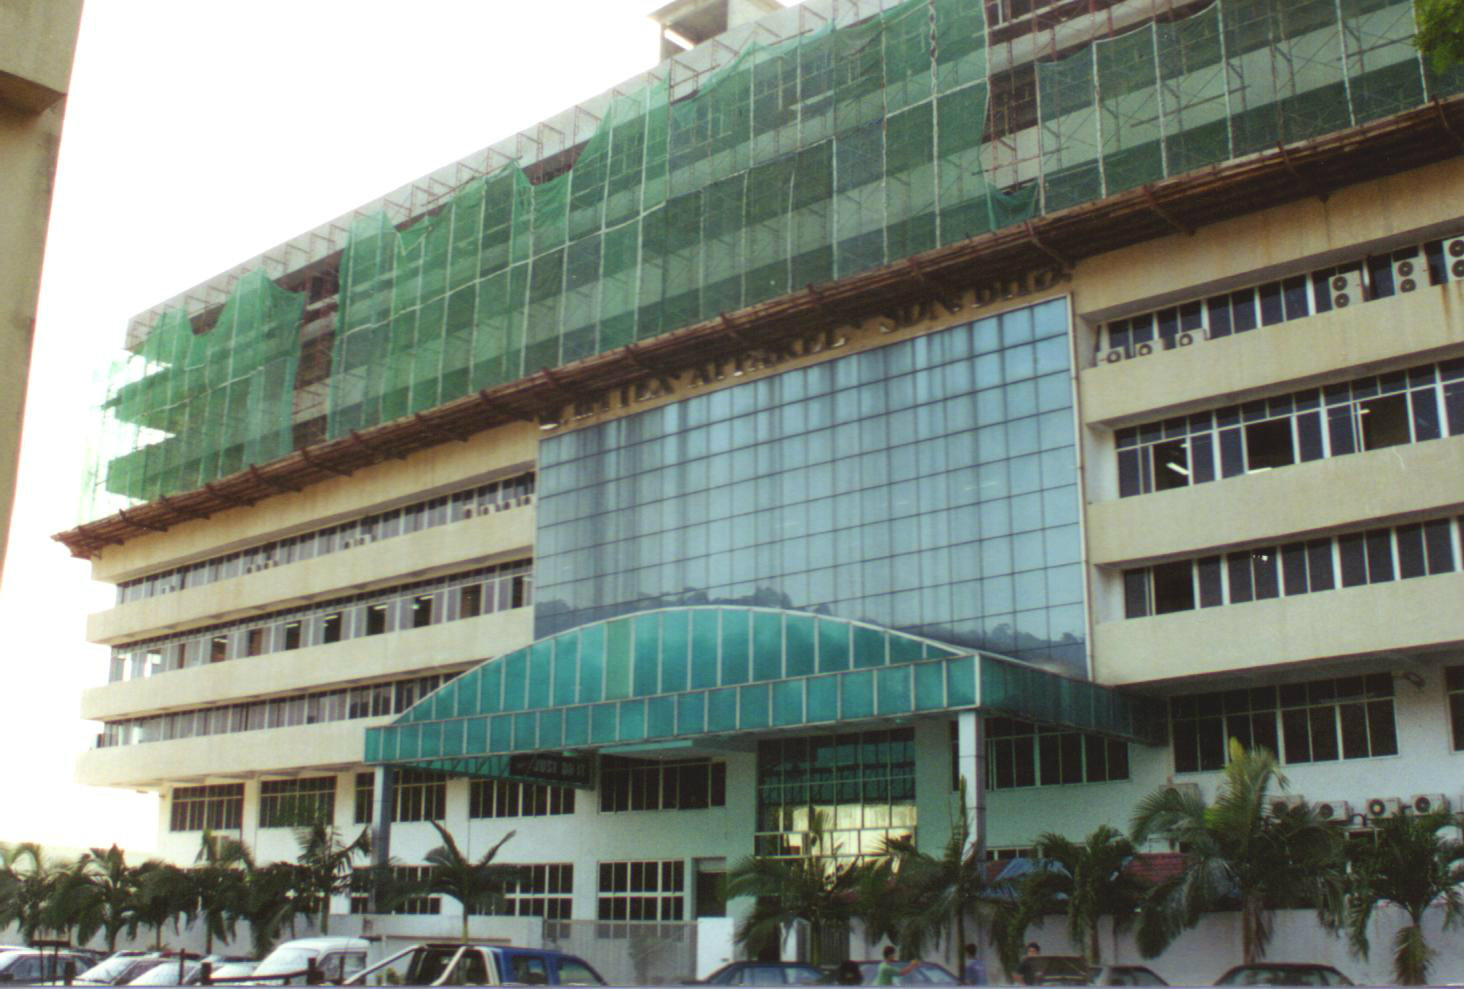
[(889, 968), (1027, 970), (973, 972)]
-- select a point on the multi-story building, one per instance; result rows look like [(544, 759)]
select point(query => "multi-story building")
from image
[(873, 396)]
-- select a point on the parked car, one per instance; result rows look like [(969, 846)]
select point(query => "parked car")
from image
[(121, 967), (1124, 975), (190, 971), (25, 966), (457, 964), (766, 974), (926, 974), (336, 958), (1284, 974)]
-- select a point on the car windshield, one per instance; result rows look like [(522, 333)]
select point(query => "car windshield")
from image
[(166, 974), (106, 971), (1262, 975)]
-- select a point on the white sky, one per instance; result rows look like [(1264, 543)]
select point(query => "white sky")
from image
[(198, 135)]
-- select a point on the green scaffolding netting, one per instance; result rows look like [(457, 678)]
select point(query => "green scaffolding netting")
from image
[(825, 155)]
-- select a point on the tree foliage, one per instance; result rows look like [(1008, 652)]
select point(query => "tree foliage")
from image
[(1411, 864), (479, 885), (1084, 881), (1239, 853), (1440, 34)]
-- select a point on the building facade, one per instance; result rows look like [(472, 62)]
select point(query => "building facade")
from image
[(886, 394)]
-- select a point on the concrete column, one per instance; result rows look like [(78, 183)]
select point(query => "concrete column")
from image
[(381, 803), (971, 764)]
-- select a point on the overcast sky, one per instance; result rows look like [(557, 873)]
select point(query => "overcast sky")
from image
[(199, 135)]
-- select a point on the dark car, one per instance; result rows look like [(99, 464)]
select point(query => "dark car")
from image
[(1124, 975), (1283, 974), (765, 974), (926, 974)]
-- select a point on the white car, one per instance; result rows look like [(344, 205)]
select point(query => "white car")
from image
[(335, 958)]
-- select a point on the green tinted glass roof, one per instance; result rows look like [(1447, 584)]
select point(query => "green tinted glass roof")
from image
[(686, 673)]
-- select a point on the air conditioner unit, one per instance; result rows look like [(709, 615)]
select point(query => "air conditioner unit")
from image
[(249, 569), (1333, 811), (1284, 803), (368, 538), (1454, 258), (1408, 274), (1379, 807), (1144, 349), (1114, 355), (1345, 288), (346, 544), (1427, 803), (469, 511), (1190, 791), (1184, 339)]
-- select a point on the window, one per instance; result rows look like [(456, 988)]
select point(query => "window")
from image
[(292, 635), (402, 876), (862, 782), (1351, 717), (1375, 556), (330, 628), (470, 601), (1454, 684), (296, 803), (645, 784), (419, 795), (1366, 414), (254, 641), (1021, 754), (218, 648), (375, 619), (1320, 721), (219, 807), (422, 611), (365, 797), (512, 798), (544, 890), (642, 890)]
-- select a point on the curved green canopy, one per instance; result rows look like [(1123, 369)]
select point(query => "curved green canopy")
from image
[(685, 673)]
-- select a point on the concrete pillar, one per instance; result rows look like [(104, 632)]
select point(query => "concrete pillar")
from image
[(382, 799), (971, 765)]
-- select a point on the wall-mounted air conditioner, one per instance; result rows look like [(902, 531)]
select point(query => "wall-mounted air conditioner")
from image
[(249, 569), (1454, 258), (1408, 274), (1333, 811), (364, 540), (1144, 349), (1185, 339), (347, 543), (1380, 807), (469, 512), (1284, 803), (1113, 355), (1427, 803), (1190, 791), (1345, 288)]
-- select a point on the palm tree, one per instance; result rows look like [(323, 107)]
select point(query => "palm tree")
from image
[(26, 885), (1087, 881), (1238, 852), (107, 896), (939, 894), (163, 894), (814, 888), (325, 866), (1411, 865), (217, 880), (477, 886), (270, 899)]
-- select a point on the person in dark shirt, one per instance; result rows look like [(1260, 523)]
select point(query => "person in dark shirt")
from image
[(1027, 971)]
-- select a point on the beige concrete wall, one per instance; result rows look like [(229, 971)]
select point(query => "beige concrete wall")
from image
[(37, 38), (219, 757), (1380, 486), (1395, 332), (1386, 213), (1395, 617), (337, 664), (481, 540), (500, 452)]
